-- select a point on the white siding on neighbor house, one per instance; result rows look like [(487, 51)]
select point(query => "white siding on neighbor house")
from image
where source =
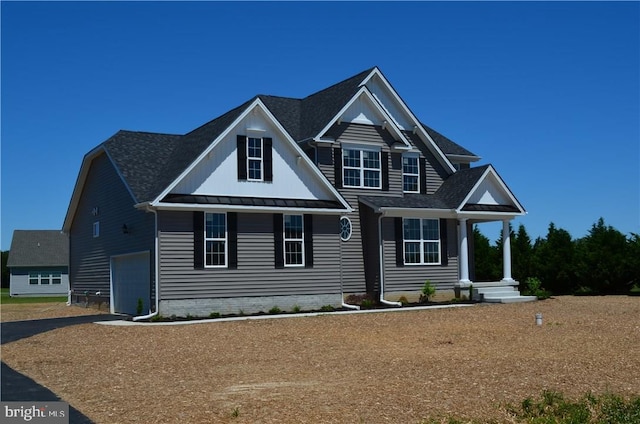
[(19, 282), (217, 174), (381, 92), (256, 274)]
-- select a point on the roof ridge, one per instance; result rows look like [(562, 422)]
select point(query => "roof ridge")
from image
[(227, 113), (362, 73)]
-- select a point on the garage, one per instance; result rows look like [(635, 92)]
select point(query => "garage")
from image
[(130, 281)]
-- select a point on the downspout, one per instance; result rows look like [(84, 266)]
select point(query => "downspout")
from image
[(344, 304), (157, 269), (380, 247)]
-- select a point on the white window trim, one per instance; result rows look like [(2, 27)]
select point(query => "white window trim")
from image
[(260, 159), (285, 240), (51, 275), (361, 169), (225, 240), (422, 241), (417, 157)]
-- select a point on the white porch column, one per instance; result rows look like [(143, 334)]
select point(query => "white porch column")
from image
[(464, 254), (506, 252)]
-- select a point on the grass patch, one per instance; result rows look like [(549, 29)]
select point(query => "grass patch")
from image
[(5, 299)]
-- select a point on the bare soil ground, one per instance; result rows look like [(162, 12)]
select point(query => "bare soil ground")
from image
[(392, 367)]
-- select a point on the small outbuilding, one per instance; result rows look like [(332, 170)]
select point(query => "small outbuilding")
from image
[(39, 263)]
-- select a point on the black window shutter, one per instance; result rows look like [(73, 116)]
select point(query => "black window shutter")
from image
[(268, 159), (444, 256), (242, 157), (308, 241), (198, 240), (337, 166), (278, 240), (384, 157), (232, 234), (399, 241), (423, 175)]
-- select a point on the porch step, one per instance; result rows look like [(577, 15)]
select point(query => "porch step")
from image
[(499, 292)]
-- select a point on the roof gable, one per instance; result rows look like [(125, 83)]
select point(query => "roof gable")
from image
[(38, 248)]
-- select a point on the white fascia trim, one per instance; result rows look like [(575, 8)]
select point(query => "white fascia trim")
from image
[(504, 188), (365, 91), (257, 103), (247, 209), (444, 160), (79, 186)]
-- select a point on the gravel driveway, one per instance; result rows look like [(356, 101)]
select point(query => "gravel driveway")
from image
[(400, 367)]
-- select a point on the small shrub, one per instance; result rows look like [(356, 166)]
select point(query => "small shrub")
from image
[(274, 310), (584, 291), (428, 290), (241, 313), (403, 300), (533, 287), (296, 309), (214, 315), (366, 304), (327, 308), (140, 306), (635, 290), (189, 316), (236, 412), (157, 318)]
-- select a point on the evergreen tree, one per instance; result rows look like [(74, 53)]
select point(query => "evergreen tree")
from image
[(553, 261), (521, 255), (602, 262), (487, 264)]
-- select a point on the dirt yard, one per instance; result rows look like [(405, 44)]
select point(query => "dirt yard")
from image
[(392, 367), (20, 312)]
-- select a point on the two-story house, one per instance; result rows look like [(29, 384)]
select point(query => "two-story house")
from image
[(282, 202)]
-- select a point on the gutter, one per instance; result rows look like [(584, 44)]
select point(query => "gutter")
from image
[(156, 273), (381, 250)]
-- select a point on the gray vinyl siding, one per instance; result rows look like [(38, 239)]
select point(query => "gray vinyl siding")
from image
[(19, 282), (436, 173), (256, 274), (89, 262), (412, 277)]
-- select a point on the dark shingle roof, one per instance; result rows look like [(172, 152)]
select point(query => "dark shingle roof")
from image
[(149, 162), (37, 248), (449, 196), (252, 201), (447, 146)]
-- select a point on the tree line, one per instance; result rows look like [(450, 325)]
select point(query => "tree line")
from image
[(605, 261)]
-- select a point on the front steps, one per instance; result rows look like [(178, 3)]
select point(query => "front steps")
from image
[(499, 292)]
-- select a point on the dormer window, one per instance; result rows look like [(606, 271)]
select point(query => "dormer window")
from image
[(410, 173), (361, 168)]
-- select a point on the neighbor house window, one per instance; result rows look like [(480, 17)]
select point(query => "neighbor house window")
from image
[(254, 158), (361, 168), (410, 174), (293, 240), (34, 278), (215, 239), (421, 241), (56, 278), (96, 229), (45, 277)]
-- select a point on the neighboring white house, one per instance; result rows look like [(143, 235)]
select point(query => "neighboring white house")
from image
[(39, 263)]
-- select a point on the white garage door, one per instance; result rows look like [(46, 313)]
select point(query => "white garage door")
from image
[(130, 281)]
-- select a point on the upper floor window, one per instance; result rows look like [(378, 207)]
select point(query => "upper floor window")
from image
[(254, 158), (215, 239), (410, 174), (421, 241), (96, 229), (361, 168)]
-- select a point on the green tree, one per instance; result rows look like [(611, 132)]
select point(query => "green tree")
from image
[(486, 258), (602, 259), (553, 261), (521, 255), (633, 258)]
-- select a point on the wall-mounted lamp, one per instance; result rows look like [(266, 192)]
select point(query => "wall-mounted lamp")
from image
[(125, 229), (384, 124)]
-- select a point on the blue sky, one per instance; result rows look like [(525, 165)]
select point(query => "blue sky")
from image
[(547, 92)]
